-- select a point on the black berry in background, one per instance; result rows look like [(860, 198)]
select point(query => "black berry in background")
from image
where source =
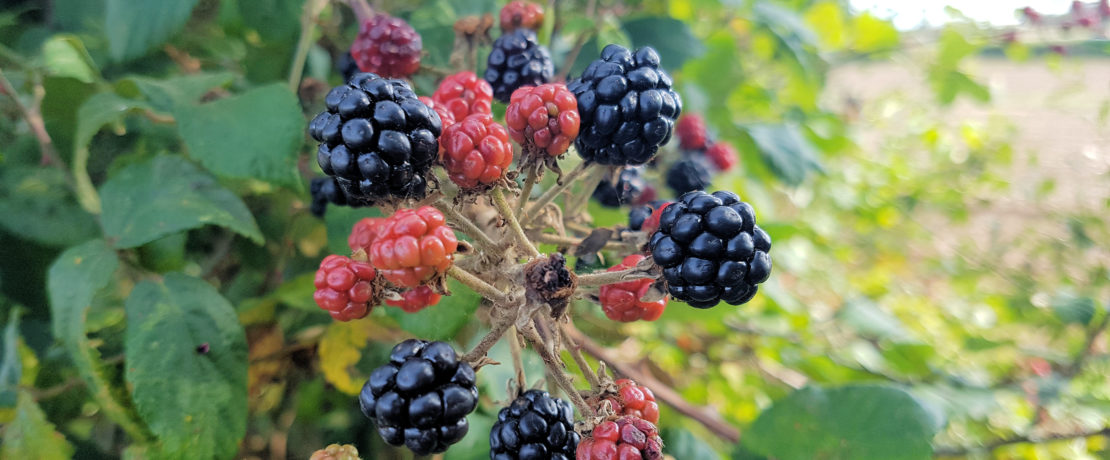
[(628, 189), (627, 105), (517, 60), (377, 139), (347, 66), (534, 427), (639, 214), (421, 398), (710, 249), (687, 175)]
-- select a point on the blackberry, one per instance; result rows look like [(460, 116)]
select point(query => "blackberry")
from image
[(638, 215), (377, 139), (627, 106), (710, 249), (422, 397), (347, 66), (687, 175), (628, 189), (325, 191), (534, 427), (517, 60)]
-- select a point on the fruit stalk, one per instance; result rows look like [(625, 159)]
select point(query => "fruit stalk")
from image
[(479, 285), (553, 192), (554, 366), (468, 226), (507, 213), (600, 278)]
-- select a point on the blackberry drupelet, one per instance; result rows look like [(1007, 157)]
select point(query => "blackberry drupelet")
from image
[(710, 249), (628, 189), (627, 106), (687, 175), (534, 427), (422, 397), (377, 139), (517, 60)]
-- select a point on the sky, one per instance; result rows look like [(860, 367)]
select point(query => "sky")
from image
[(908, 14)]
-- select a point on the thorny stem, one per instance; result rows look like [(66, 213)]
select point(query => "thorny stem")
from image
[(468, 226), (529, 184), (478, 285), (576, 353), (506, 212), (555, 369), (312, 10), (518, 361), (602, 278), (491, 339), (553, 192)]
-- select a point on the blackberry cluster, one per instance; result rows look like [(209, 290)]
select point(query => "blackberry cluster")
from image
[(629, 188), (422, 397), (534, 427), (377, 139), (627, 106), (711, 249), (517, 60), (324, 191), (688, 174)]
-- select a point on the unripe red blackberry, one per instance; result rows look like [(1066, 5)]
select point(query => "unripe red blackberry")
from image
[(621, 301), (413, 246), (722, 156), (387, 46), (344, 287), (476, 151), (521, 14), (464, 94), (692, 134), (415, 299), (363, 234), (626, 438), (543, 118), (421, 398)]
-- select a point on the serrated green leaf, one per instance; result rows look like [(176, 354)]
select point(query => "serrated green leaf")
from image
[(167, 194), (194, 402), (133, 28), (275, 20), (37, 204), (786, 151), (846, 423), (255, 135), (670, 37), (30, 435), (166, 94), (65, 56), (443, 320)]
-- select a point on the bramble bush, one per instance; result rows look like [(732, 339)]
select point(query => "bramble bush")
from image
[(313, 228)]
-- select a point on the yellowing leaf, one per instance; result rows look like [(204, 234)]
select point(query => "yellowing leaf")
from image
[(340, 351), (873, 34), (827, 20)]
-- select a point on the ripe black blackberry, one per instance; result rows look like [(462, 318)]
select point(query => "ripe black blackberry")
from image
[(627, 106), (628, 189), (325, 190), (422, 397), (377, 139), (711, 249), (534, 427), (517, 60), (687, 175)]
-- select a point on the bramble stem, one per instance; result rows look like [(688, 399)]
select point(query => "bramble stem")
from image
[(553, 192), (602, 278), (468, 226), (478, 285), (312, 10), (555, 367), (491, 339), (576, 353), (571, 241), (518, 361), (529, 184), (503, 206), (575, 202)]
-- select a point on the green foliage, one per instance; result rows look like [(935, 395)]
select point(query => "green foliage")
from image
[(133, 28), (30, 435)]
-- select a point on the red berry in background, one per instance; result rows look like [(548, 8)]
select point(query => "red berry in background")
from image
[(416, 299), (521, 14), (692, 134), (413, 246), (363, 234), (652, 223), (464, 94), (1104, 9), (722, 155), (1032, 15), (387, 46), (543, 118), (476, 151), (621, 301), (626, 438), (445, 116), (343, 287)]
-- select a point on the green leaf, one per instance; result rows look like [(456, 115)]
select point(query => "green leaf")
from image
[(255, 135), (681, 443), (167, 94), (274, 20), (1073, 309), (36, 203), (97, 111), (851, 422), (870, 321), (167, 194), (65, 56), (194, 402), (795, 39), (443, 320), (670, 37), (30, 435), (11, 366), (135, 27), (785, 150)]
